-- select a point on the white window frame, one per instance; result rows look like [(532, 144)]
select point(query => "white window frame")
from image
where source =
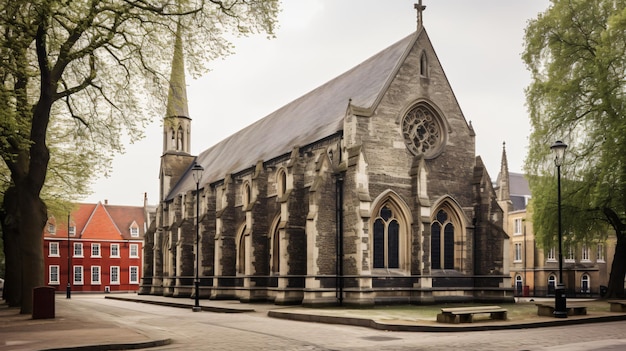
[(134, 232), (570, 254), (99, 250), (72, 231), (585, 254), (78, 250), (79, 275), (600, 253), (96, 272), (115, 275), (52, 229), (551, 255), (133, 274), (115, 254), (53, 249), (517, 252), (517, 226), (52, 270), (133, 251)]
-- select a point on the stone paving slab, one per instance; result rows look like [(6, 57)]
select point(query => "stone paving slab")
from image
[(73, 329), (69, 330)]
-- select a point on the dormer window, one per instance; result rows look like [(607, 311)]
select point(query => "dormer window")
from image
[(134, 232), (52, 228)]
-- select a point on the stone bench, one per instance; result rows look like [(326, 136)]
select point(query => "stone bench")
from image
[(617, 305), (466, 314), (547, 310)]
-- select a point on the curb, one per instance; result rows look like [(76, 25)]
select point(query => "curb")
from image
[(105, 347), (370, 323), (183, 305), (373, 324)]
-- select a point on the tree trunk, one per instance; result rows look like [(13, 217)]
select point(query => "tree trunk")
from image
[(32, 220), (618, 268), (12, 292), (24, 217)]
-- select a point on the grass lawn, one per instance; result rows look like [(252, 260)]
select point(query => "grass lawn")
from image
[(519, 311)]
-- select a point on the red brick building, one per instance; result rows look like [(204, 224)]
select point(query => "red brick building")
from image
[(105, 243)]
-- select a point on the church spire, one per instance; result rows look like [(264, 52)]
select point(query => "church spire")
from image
[(177, 96), (177, 124), (176, 157), (420, 14), (504, 193)]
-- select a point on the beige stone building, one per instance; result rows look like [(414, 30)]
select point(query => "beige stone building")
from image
[(365, 190), (534, 270)]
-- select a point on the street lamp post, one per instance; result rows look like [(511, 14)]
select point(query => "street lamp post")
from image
[(560, 302), (197, 176), (68, 290)]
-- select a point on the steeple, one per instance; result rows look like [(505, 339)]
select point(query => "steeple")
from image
[(176, 156), (504, 193), (177, 124)]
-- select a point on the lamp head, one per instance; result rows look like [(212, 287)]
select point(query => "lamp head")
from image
[(197, 171), (559, 152)]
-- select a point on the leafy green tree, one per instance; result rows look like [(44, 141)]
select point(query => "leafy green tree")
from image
[(89, 72), (68, 179), (576, 51)]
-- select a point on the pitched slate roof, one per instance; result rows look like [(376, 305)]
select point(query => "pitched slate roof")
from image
[(519, 190), (518, 184), (314, 116)]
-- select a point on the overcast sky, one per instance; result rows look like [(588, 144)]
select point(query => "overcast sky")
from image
[(479, 44)]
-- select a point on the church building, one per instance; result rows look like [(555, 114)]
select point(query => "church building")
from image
[(366, 190)]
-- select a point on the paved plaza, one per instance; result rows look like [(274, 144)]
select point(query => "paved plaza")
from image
[(93, 322)]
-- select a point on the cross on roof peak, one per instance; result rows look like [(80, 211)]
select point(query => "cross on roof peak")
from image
[(420, 10)]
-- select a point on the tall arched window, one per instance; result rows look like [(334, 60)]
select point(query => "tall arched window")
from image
[(281, 182), (424, 65), (246, 194), (179, 139), (386, 239), (241, 253), (275, 249), (172, 139), (442, 241)]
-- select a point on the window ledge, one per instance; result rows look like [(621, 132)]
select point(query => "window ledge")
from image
[(389, 272)]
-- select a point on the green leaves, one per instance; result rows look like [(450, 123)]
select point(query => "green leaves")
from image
[(576, 52), (93, 71)]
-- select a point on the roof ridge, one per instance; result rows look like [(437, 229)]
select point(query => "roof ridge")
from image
[(310, 117)]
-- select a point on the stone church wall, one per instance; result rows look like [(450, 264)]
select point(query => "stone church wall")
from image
[(342, 177)]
